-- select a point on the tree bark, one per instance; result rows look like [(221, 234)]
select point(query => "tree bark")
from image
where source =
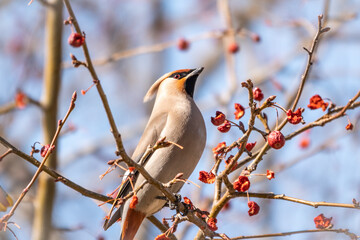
[(52, 71)]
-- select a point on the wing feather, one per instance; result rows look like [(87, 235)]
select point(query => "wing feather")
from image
[(150, 136)]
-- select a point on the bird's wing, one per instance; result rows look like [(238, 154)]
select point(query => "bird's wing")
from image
[(150, 137)]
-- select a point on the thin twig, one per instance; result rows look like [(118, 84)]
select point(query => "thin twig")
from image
[(351, 235), (163, 188), (335, 110), (292, 199), (5, 154), (61, 123), (119, 144), (161, 226), (54, 174), (326, 118), (304, 77)]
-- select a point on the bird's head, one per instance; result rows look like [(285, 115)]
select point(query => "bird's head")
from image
[(178, 81)]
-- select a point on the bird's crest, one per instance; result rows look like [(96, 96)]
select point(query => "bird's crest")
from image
[(153, 89)]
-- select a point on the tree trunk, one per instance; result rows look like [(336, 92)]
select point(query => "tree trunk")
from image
[(52, 70)]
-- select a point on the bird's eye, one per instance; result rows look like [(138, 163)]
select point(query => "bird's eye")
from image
[(177, 76)]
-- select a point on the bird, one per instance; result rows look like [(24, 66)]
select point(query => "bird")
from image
[(176, 117)]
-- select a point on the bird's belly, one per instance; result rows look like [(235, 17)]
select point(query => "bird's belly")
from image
[(171, 161)]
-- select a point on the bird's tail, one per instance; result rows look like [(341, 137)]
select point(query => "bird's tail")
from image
[(116, 217), (131, 224)]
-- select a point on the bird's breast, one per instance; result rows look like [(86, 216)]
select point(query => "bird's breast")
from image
[(186, 128)]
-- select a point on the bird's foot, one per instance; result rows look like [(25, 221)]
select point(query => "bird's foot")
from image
[(170, 204)]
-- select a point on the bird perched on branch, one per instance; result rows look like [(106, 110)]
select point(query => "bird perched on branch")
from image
[(176, 117)]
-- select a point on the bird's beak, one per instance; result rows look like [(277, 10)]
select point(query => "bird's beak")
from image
[(195, 72), (191, 80)]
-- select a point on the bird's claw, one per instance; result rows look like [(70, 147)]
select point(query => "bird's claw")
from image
[(173, 205)]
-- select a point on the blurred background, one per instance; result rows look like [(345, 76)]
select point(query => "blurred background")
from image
[(144, 39)]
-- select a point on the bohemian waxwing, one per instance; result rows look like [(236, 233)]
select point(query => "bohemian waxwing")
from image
[(176, 117)]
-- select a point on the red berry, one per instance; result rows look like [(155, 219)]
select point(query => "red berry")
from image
[(225, 127), (44, 150), (350, 126), (207, 177), (295, 117), (322, 222), (250, 146), (233, 47), (218, 119), (270, 174), (276, 139), (220, 148), (242, 184), (239, 111), (20, 100), (211, 222), (76, 39), (183, 44), (254, 208), (258, 95)]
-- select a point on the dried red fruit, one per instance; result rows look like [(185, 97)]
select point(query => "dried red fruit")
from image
[(276, 139), (317, 102), (218, 119), (188, 202), (250, 146), (258, 94), (239, 111), (44, 150), (254, 208), (76, 39), (220, 148), (207, 177), (349, 126), (321, 222), (295, 117), (183, 44), (242, 184), (225, 127), (162, 237), (211, 222), (20, 100), (233, 47), (133, 202), (270, 174)]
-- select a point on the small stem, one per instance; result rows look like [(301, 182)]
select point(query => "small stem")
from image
[(6, 217), (119, 144), (292, 199), (5, 154), (352, 236)]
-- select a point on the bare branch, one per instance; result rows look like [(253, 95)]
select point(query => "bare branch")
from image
[(61, 123), (351, 235)]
